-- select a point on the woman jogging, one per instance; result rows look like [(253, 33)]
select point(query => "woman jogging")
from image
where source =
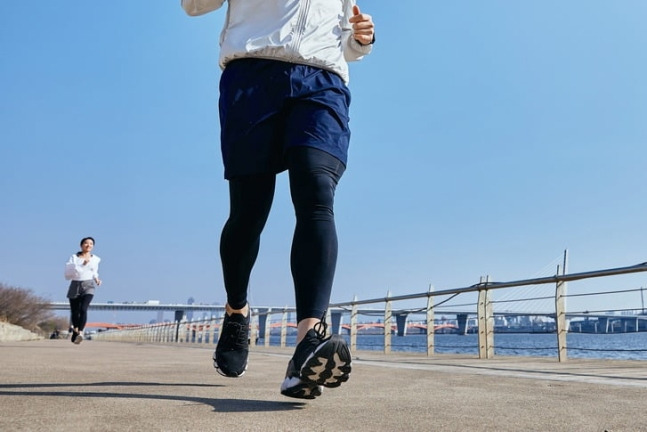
[(83, 271)]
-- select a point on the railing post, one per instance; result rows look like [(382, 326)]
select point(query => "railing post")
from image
[(253, 327), (214, 332), (268, 324), (284, 326), (481, 319), (560, 319), (387, 324), (489, 310), (430, 322), (329, 320), (485, 321), (353, 325)]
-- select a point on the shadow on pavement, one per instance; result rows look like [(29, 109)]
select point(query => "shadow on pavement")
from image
[(218, 404)]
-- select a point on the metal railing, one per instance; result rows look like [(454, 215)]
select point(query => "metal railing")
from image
[(207, 331)]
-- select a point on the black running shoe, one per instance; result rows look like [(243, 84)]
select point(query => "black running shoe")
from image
[(294, 386), (230, 357), (318, 361)]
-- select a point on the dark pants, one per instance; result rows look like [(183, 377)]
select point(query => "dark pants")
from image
[(314, 175), (79, 307)]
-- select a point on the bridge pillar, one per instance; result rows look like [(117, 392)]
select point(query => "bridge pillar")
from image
[(603, 325), (179, 315), (335, 322), (262, 321), (461, 320), (401, 322)]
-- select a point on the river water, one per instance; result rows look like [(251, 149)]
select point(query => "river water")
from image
[(617, 346)]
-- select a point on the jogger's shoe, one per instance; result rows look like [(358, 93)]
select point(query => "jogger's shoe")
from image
[(318, 361), (79, 338), (294, 386), (329, 364), (74, 335), (230, 357)]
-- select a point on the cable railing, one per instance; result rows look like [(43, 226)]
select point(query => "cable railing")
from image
[(472, 329)]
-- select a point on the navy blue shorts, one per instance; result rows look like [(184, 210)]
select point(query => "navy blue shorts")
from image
[(269, 106)]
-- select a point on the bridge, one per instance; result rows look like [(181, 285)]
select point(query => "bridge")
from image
[(464, 322), (400, 327), (150, 305)]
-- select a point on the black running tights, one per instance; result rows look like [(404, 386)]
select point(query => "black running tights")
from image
[(313, 176), (79, 307)]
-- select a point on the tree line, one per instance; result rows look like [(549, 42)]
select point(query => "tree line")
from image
[(21, 307)]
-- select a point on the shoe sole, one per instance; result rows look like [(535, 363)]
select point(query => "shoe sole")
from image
[(225, 374), (329, 364), (79, 339), (296, 388), (230, 375)]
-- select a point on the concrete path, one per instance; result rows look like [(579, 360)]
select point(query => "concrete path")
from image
[(54, 385)]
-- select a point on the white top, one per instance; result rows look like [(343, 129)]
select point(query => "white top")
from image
[(75, 270), (311, 32)]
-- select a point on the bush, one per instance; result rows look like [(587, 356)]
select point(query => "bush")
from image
[(23, 308)]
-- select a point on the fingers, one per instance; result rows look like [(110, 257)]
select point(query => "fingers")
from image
[(363, 27), (358, 16)]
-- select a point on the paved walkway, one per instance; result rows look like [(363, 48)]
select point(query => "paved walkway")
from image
[(53, 385)]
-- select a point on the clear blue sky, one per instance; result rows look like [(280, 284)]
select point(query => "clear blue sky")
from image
[(487, 138)]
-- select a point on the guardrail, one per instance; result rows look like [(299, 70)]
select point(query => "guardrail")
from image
[(206, 331)]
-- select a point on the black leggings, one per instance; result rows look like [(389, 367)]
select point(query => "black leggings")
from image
[(314, 175), (79, 307)]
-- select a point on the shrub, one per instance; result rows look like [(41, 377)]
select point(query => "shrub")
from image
[(23, 308)]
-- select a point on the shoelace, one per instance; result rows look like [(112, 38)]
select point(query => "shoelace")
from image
[(309, 344), (236, 333), (321, 328)]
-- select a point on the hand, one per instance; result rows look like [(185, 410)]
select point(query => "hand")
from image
[(98, 281), (363, 27)]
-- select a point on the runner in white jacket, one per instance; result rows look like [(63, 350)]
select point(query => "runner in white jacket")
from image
[(284, 105), (298, 31), (82, 269)]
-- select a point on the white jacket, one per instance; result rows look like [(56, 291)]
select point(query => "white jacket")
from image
[(75, 270), (312, 32)]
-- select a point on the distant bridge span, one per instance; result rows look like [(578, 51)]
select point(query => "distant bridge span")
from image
[(170, 307), (140, 307), (400, 316)]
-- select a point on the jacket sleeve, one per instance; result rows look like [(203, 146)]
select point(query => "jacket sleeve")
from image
[(96, 267), (201, 7), (353, 50), (70, 269)]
